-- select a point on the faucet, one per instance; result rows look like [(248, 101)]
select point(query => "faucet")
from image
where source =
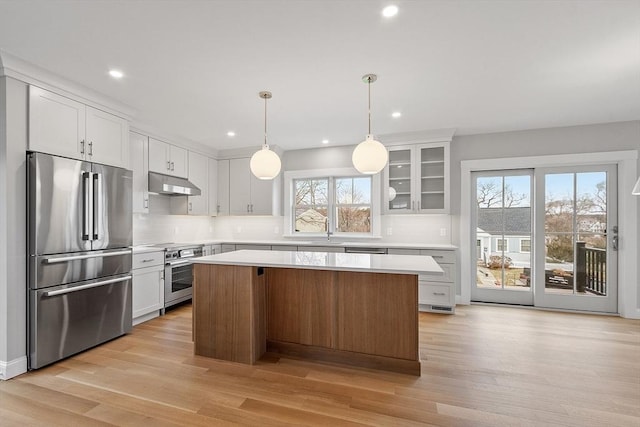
[(326, 226), (329, 233)]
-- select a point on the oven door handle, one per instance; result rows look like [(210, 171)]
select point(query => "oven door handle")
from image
[(87, 286), (178, 263)]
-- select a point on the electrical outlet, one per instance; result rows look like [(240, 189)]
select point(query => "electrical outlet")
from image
[(389, 231), (443, 232)]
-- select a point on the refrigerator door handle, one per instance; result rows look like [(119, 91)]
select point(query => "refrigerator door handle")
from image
[(97, 204), (85, 256), (86, 205), (87, 286)]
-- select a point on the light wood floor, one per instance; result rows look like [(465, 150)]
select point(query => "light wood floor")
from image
[(484, 366)]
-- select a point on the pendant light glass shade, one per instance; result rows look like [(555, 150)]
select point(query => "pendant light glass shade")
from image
[(265, 164), (370, 156), (636, 188)]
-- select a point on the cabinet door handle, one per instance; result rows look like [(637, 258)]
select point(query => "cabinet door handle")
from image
[(439, 293), (413, 205), (147, 260), (418, 204), (82, 147), (146, 203), (218, 209), (90, 148), (248, 208), (172, 168), (168, 165), (190, 206), (252, 207)]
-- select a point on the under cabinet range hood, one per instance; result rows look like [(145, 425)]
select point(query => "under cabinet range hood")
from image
[(171, 185)]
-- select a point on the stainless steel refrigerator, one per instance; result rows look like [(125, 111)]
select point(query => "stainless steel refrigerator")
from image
[(79, 256)]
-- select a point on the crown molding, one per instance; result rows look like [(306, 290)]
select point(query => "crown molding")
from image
[(19, 69), (434, 135)]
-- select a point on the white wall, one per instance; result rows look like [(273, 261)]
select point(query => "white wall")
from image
[(13, 281)]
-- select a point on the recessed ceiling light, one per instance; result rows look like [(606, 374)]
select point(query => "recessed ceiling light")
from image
[(396, 114), (116, 74), (390, 11), (325, 141), (231, 133)]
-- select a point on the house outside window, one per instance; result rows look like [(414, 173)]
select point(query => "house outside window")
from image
[(339, 203), (525, 245), (502, 245)]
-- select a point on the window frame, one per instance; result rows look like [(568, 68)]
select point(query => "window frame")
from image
[(332, 174), (525, 240), (505, 245)]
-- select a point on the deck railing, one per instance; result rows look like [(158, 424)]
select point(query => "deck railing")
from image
[(591, 271)]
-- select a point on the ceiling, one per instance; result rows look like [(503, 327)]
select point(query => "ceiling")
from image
[(193, 69)]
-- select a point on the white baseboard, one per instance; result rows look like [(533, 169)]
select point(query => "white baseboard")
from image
[(145, 317), (13, 368)]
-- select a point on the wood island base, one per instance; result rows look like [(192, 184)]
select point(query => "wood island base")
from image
[(356, 318)]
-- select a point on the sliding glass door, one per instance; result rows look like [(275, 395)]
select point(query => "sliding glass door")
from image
[(502, 220), (576, 233), (566, 258)]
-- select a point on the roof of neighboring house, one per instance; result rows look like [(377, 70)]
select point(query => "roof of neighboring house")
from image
[(516, 221)]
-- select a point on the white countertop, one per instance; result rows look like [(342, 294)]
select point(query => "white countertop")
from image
[(371, 263), (363, 244)]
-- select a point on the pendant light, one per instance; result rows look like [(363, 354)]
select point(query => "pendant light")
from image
[(370, 156), (265, 164)]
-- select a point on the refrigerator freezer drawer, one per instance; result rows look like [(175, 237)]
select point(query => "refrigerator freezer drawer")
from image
[(65, 320), (53, 270)]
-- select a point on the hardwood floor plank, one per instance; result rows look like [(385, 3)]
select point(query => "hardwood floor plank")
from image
[(483, 366)]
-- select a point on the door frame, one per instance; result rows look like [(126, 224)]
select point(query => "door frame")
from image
[(627, 215)]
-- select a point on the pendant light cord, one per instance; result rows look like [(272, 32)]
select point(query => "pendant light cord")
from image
[(265, 122), (369, 85)]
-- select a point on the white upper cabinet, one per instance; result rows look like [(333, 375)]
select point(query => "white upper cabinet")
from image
[(419, 177), (140, 166), (239, 187), (213, 187), (61, 126), (199, 176), (107, 138), (222, 205), (249, 195), (167, 159)]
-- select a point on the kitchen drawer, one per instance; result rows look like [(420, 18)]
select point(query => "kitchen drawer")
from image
[(227, 248), (448, 277), (320, 249), (441, 257), (148, 259), (284, 248), (253, 247), (429, 293), (396, 251)]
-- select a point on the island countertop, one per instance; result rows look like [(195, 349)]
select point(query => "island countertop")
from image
[(371, 263)]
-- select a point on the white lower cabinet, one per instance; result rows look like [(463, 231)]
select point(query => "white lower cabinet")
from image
[(148, 286), (436, 293)]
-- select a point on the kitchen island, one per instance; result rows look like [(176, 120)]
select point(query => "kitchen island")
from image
[(357, 309)]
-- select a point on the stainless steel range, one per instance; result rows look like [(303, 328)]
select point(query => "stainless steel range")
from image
[(178, 274)]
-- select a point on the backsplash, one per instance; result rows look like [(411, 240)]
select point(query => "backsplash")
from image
[(161, 228), (432, 229)]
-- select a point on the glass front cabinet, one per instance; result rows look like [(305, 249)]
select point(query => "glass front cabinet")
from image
[(417, 178)]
